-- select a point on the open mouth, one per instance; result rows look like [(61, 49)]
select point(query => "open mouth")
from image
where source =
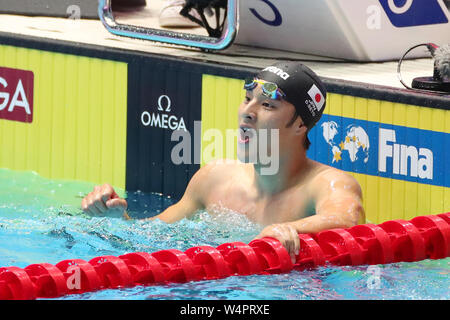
[(245, 134)]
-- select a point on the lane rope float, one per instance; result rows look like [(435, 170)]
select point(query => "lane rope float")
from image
[(424, 237)]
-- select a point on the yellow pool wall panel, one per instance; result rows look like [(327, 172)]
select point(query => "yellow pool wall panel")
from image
[(220, 103), (79, 122)]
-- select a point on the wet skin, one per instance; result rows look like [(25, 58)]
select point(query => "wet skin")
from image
[(277, 201)]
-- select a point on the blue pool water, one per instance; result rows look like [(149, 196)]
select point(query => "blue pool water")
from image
[(41, 221)]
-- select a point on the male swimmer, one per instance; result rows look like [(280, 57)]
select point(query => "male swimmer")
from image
[(303, 196)]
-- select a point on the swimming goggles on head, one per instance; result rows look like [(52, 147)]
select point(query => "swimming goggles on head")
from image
[(269, 89)]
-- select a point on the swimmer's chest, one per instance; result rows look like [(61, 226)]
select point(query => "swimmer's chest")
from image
[(290, 205)]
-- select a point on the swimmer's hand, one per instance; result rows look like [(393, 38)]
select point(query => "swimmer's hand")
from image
[(286, 234), (104, 201)]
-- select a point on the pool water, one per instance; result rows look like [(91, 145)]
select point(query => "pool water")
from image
[(41, 221)]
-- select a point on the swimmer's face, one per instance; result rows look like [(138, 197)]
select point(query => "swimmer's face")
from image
[(257, 112)]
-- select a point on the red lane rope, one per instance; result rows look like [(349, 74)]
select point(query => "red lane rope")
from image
[(425, 237)]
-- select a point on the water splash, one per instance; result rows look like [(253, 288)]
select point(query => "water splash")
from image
[(41, 221)]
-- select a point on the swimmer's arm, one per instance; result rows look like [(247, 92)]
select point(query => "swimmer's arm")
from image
[(182, 209), (338, 199), (104, 201), (191, 202)]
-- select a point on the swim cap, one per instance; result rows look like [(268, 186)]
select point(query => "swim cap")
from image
[(302, 88)]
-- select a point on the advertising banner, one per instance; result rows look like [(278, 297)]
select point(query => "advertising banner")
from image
[(371, 30), (162, 98), (16, 95)]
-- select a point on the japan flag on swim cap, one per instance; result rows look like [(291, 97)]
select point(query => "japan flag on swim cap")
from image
[(317, 97)]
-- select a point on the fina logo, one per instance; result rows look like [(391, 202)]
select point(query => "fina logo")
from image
[(410, 13), (421, 160), (356, 142), (163, 120), (402, 159)]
